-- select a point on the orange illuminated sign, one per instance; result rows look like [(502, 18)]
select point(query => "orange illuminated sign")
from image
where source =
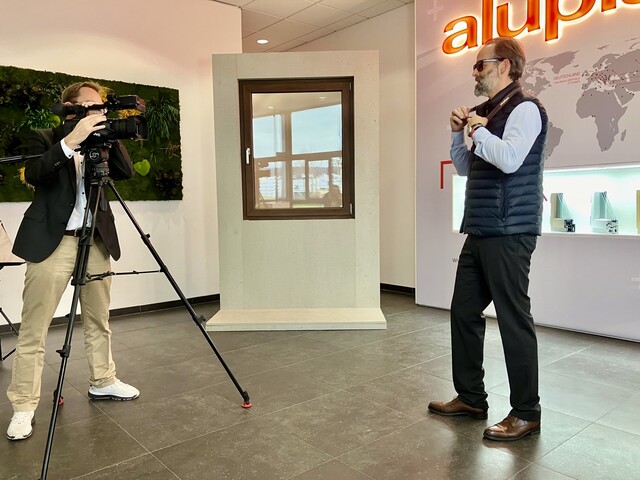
[(552, 18)]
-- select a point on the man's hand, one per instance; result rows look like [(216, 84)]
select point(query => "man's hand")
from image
[(458, 118), (83, 129), (477, 119)]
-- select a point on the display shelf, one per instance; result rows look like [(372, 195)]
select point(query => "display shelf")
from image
[(590, 200)]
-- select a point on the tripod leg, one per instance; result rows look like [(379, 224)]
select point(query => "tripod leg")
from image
[(78, 281), (199, 320), (57, 401)]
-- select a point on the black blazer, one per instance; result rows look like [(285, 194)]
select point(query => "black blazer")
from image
[(54, 177)]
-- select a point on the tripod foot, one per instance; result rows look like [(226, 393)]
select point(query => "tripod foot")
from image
[(61, 402), (247, 405)]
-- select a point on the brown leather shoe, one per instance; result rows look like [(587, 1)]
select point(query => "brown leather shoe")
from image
[(457, 407), (511, 428)]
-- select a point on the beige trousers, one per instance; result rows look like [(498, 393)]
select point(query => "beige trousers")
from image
[(44, 284)]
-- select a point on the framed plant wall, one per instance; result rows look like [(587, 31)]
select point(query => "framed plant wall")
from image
[(26, 98)]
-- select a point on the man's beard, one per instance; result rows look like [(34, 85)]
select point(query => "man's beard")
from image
[(486, 84)]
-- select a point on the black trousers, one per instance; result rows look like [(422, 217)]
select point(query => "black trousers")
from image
[(495, 269)]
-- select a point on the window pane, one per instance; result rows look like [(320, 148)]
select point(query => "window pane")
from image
[(272, 185), (267, 136), (318, 129)]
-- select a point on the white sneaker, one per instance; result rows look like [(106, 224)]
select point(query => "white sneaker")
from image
[(21, 425), (116, 391)]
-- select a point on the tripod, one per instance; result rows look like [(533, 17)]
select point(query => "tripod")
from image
[(99, 179)]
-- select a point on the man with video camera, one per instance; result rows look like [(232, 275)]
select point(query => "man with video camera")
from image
[(48, 240)]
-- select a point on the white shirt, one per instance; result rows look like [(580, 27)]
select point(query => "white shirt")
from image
[(77, 215), (523, 126)]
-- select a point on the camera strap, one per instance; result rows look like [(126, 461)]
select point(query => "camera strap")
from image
[(509, 94)]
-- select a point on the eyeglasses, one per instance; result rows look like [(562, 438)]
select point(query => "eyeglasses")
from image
[(479, 65)]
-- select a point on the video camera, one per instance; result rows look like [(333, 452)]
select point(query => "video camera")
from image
[(129, 128)]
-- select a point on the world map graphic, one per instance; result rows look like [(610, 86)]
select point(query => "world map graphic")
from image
[(608, 77)]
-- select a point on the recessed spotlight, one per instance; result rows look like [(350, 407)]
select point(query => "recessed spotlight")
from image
[(262, 41)]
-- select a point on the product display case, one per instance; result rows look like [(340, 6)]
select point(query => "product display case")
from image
[(597, 200)]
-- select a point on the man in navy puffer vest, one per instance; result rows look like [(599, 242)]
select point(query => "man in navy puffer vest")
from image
[(502, 219)]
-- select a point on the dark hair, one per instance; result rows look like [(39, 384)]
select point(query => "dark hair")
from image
[(512, 50), (70, 94)]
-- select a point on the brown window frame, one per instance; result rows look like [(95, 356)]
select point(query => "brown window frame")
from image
[(297, 85)]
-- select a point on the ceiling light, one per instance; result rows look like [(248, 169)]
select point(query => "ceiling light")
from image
[(262, 41)]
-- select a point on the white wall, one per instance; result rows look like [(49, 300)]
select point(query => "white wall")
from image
[(156, 42), (392, 34)]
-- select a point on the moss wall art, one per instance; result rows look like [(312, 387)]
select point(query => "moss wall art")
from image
[(26, 98)]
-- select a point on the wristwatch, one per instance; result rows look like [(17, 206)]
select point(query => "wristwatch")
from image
[(473, 128)]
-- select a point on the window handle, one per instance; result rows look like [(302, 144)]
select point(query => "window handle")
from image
[(247, 155)]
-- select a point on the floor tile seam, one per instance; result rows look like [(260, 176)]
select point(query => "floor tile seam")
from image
[(263, 415), (194, 390), (47, 424), (380, 403), (293, 434), (537, 460), (306, 359), (255, 417), (202, 434), (402, 311), (325, 463), (107, 467), (567, 355), (426, 317), (584, 351), (172, 340), (373, 342), (596, 422), (396, 372), (268, 343), (116, 333), (531, 464), (477, 438), (395, 432), (413, 365), (126, 432), (262, 372), (341, 349), (582, 379), (165, 465), (340, 387)]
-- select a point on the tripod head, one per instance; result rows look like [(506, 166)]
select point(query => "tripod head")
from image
[(97, 159)]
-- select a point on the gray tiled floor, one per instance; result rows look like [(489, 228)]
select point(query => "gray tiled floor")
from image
[(327, 406)]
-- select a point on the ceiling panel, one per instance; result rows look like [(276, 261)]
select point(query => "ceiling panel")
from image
[(287, 24), (353, 6), (381, 8), (279, 8), (253, 22), (319, 15)]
